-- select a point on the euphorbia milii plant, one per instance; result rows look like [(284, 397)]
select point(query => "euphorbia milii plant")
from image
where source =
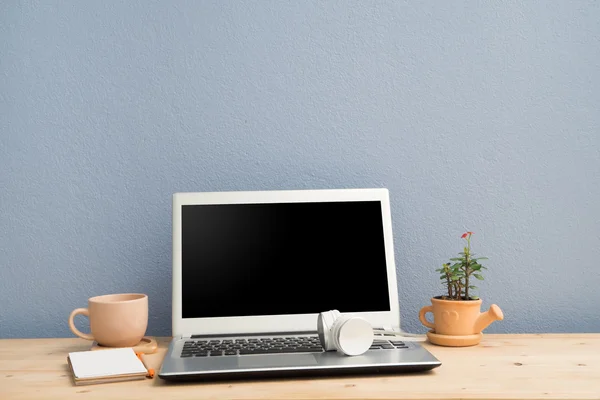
[(457, 274)]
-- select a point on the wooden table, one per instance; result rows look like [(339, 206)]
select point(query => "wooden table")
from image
[(548, 366)]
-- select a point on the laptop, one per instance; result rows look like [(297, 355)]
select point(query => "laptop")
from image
[(252, 270)]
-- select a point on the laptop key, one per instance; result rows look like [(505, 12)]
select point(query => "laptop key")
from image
[(259, 351), (309, 349), (231, 353), (280, 351), (201, 354)]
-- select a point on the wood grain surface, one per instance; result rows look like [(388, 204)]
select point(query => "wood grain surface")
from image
[(526, 366)]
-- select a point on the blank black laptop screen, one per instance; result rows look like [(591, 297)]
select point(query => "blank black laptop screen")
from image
[(283, 258)]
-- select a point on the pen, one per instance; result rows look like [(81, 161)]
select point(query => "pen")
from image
[(150, 370)]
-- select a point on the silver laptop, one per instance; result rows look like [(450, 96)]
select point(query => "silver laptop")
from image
[(252, 271)]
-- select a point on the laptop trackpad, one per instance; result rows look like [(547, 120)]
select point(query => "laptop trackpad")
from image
[(277, 360)]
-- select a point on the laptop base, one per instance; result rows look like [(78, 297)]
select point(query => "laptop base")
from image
[(299, 373), (411, 358)]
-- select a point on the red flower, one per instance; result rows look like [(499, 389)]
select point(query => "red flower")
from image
[(464, 235)]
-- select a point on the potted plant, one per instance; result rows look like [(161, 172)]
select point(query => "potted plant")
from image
[(457, 320)]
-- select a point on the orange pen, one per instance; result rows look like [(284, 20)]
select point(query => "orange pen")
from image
[(150, 370)]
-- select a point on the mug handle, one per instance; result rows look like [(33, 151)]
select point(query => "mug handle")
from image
[(76, 331), (422, 318)]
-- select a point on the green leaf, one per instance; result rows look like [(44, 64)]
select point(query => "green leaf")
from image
[(478, 276), (457, 259), (481, 258), (454, 278), (476, 267), (472, 287)]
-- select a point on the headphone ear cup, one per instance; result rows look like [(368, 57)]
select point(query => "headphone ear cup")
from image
[(352, 336), (335, 331), (325, 321), (322, 329)]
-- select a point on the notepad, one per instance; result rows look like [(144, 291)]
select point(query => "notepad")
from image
[(110, 365)]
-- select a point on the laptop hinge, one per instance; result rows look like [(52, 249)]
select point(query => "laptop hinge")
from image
[(266, 333), (385, 328)]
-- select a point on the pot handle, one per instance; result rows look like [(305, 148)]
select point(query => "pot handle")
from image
[(422, 318)]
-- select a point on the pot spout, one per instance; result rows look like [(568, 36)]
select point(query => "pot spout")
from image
[(486, 318)]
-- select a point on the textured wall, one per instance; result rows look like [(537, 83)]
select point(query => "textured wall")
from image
[(476, 116)]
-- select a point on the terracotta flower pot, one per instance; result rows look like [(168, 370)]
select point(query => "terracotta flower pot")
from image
[(458, 323)]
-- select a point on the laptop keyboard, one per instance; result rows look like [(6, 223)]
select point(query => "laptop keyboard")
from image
[(275, 345), (234, 347)]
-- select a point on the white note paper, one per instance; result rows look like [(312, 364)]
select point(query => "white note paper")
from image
[(105, 363)]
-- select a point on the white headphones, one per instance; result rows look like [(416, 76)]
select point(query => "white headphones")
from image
[(347, 334)]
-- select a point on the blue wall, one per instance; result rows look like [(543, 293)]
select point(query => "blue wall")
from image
[(476, 117)]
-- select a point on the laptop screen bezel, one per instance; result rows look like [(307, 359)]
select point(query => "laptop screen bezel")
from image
[(277, 323)]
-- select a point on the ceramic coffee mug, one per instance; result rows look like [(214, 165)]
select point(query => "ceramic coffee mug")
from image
[(116, 320)]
